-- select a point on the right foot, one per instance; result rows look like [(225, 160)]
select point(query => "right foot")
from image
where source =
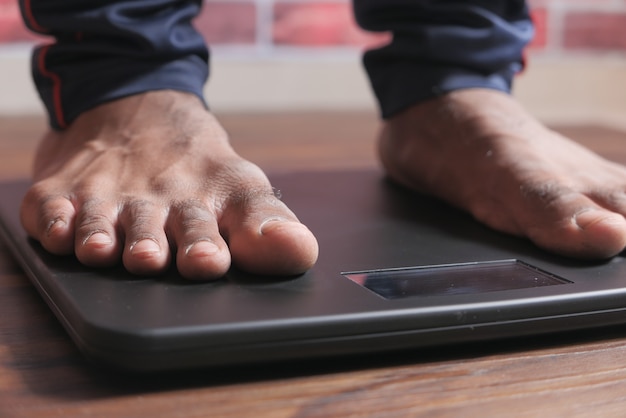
[(151, 177)]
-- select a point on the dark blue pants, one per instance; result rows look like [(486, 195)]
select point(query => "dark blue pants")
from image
[(109, 49)]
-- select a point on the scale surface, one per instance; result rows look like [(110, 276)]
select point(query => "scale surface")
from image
[(396, 270)]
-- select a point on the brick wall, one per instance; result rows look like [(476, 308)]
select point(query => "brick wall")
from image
[(306, 52), (265, 28), (579, 26)]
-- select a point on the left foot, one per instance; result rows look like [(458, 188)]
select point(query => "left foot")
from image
[(482, 152)]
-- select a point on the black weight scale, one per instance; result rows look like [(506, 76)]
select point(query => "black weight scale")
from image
[(396, 270)]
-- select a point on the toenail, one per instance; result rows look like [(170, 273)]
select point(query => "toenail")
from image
[(268, 221), (588, 217), (201, 248), (55, 225), (146, 246), (98, 239)]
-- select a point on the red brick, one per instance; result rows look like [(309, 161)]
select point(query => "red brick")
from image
[(320, 24), (600, 31), (540, 20), (11, 27), (222, 22)]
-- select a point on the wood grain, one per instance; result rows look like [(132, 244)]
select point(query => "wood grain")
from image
[(42, 374)]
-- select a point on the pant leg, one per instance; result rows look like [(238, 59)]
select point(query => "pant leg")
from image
[(442, 45), (108, 49)]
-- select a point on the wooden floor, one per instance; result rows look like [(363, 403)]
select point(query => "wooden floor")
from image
[(42, 374)]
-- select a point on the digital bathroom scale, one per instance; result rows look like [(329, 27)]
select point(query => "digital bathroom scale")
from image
[(396, 270)]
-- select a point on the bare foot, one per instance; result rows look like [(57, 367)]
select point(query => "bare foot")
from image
[(482, 152), (151, 177)]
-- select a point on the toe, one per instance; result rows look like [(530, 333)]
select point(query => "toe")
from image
[(146, 249), (201, 254), (265, 237), (96, 239), (49, 219), (603, 233), (574, 225)]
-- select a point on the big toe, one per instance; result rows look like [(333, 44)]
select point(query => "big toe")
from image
[(275, 245), (590, 234), (602, 233)]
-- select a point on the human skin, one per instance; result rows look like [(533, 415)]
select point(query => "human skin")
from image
[(153, 177), (481, 151)]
